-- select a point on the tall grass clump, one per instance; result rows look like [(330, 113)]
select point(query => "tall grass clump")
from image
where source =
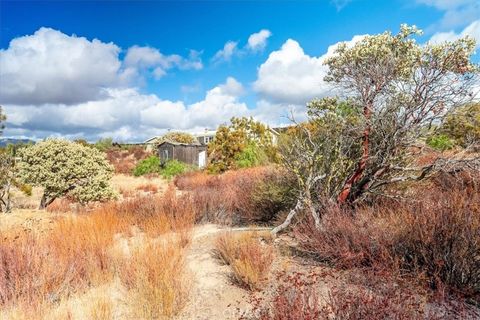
[(249, 259), (156, 278)]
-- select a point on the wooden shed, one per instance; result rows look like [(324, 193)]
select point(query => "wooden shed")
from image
[(193, 154)]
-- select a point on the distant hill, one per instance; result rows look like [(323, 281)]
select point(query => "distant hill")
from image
[(6, 141)]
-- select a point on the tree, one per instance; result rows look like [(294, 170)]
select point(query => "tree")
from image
[(245, 141), (359, 144), (463, 125), (320, 154), (104, 144), (180, 137), (65, 168), (400, 87), (2, 120)]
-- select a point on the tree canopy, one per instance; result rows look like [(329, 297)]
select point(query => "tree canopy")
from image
[(180, 137), (65, 168), (245, 142), (390, 89)]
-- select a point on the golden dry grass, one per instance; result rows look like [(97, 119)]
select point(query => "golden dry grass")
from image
[(249, 258), (77, 252)]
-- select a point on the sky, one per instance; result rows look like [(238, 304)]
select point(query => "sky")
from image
[(131, 70)]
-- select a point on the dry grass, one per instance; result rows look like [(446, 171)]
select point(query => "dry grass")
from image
[(77, 252), (249, 258), (101, 309), (129, 186), (155, 275)]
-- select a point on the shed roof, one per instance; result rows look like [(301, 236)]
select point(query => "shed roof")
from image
[(175, 143)]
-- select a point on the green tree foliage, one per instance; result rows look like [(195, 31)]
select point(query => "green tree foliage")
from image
[(104, 144), (180, 137), (463, 125), (65, 168), (244, 142), (2, 120)]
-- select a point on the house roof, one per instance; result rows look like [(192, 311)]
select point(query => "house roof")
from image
[(175, 143)]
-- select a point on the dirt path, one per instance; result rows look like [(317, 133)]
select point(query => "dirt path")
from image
[(213, 295)]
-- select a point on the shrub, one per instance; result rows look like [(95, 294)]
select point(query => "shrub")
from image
[(437, 237), (124, 161), (173, 168), (254, 195), (251, 156), (463, 124), (440, 142), (148, 165), (65, 168), (249, 259)]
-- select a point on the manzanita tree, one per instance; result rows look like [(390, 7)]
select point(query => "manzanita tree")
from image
[(65, 168), (394, 89), (400, 87)]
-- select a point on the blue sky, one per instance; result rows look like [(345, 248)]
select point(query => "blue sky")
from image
[(132, 69)]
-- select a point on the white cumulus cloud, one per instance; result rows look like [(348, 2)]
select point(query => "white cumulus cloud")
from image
[(258, 41), (472, 30), (51, 67)]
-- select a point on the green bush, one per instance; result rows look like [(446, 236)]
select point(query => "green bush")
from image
[(173, 168), (152, 165), (148, 165), (251, 156), (440, 142)]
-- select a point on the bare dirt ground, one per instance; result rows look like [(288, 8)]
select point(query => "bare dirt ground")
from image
[(213, 295)]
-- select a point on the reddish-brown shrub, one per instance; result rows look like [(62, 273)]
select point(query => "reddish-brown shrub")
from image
[(148, 187), (125, 160), (437, 237), (253, 195)]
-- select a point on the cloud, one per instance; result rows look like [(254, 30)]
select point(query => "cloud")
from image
[(229, 50), (456, 12), (340, 4), (126, 114), (291, 76), (257, 41), (51, 67), (472, 30), (140, 59)]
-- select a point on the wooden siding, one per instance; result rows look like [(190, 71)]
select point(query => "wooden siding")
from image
[(181, 152)]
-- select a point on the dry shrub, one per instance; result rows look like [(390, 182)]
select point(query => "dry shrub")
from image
[(253, 195), (437, 238), (124, 161), (148, 188), (294, 298), (155, 275), (249, 258)]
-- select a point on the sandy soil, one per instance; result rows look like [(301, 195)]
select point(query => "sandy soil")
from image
[(213, 296)]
